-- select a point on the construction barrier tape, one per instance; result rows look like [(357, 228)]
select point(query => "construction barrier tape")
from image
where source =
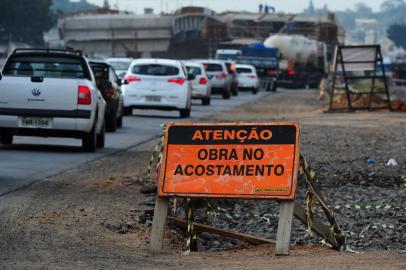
[(156, 156), (310, 180), (191, 234)]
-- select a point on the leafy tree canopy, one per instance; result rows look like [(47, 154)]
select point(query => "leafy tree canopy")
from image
[(363, 10), (25, 20), (392, 5), (391, 12), (397, 33), (67, 6)]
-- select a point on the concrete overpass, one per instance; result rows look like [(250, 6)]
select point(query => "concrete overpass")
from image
[(118, 35)]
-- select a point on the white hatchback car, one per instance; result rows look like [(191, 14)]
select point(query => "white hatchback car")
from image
[(201, 87), (247, 78), (157, 84)]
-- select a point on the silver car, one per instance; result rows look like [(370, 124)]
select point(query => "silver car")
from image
[(120, 65), (219, 78)]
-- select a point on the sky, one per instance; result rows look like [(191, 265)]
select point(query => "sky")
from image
[(236, 5)]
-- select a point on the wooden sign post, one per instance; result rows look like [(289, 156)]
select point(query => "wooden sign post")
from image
[(229, 160)]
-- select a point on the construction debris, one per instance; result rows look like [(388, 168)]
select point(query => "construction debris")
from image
[(399, 105)]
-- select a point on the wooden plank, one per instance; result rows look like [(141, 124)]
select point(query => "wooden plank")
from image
[(158, 224), (240, 236), (318, 227), (284, 227)]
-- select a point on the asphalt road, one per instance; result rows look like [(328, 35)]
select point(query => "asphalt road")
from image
[(30, 159)]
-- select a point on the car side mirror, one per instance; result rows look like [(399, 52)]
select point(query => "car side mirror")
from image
[(119, 82), (191, 77)]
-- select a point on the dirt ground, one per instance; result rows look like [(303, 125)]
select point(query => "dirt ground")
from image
[(88, 217)]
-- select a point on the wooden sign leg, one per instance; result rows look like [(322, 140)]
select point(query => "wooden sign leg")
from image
[(284, 227), (158, 224)]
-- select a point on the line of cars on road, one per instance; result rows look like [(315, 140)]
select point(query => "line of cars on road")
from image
[(171, 84), (60, 93)]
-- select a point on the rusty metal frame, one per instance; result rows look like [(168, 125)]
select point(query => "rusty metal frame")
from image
[(378, 62)]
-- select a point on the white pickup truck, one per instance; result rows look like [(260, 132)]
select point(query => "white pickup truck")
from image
[(50, 93)]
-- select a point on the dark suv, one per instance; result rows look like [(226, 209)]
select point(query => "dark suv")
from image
[(109, 85)]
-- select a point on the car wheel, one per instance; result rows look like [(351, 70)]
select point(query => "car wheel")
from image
[(254, 90), (234, 91), (268, 87), (6, 139), (128, 111), (184, 113), (274, 86), (111, 121), (120, 121), (89, 140), (206, 101), (226, 94), (101, 137)]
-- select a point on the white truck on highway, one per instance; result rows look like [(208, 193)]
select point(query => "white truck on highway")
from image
[(50, 93)]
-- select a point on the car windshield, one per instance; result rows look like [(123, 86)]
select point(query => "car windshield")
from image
[(244, 70), (120, 65), (101, 72), (213, 67), (43, 66), (155, 70), (193, 70)]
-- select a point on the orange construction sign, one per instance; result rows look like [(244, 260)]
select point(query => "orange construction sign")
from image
[(234, 160)]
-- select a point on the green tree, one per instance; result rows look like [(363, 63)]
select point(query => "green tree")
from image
[(397, 33), (392, 5), (25, 20), (346, 18), (66, 6), (363, 10), (359, 35), (392, 12), (106, 4)]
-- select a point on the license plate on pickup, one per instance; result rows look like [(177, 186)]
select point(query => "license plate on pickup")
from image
[(153, 99), (36, 122)]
